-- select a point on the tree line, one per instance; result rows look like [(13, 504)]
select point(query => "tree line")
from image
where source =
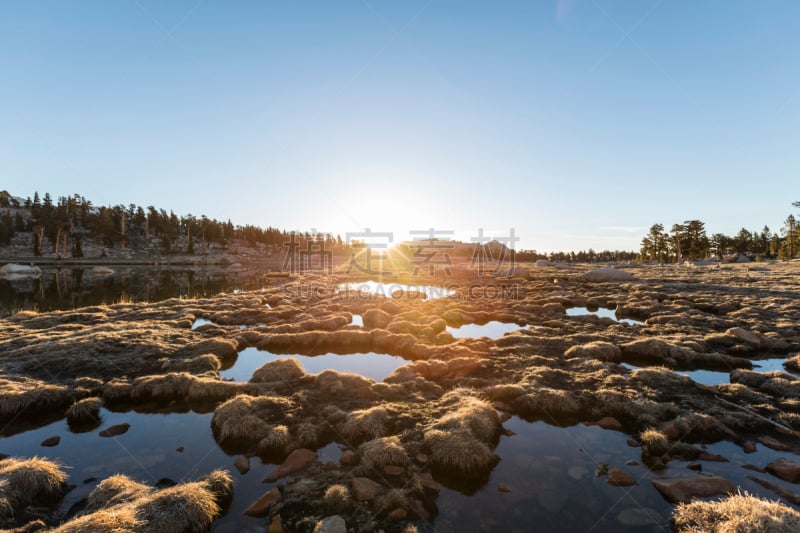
[(689, 241), (65, 224)]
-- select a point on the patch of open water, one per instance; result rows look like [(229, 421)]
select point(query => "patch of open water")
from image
[(494, 330), (603, 312), (371, 365)]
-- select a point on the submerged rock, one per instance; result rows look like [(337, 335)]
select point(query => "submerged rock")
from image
[(683, 489), (297, 460)]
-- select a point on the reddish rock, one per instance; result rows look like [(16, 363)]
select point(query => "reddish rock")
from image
[(773, 443), (632, 462), (348, 458), (52, 441), (113, 431), (364, 488), (697, 467), (242, 464), (261, 506), (502, 487), (398, 514), (392, 470), (609, 422), (275, 525), (620, 478), (749, 447), (427, 483), (683, 489), (297, 460), (785, 469), (705, 456)]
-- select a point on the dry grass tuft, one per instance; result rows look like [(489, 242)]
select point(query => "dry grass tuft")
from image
[(556, 406), (121, 504), (604, 351), (654, 443), (275, 440), (86, 411), (32, 396), (738, 513), (460, 452), (337, 498), (472, 414), (378, 453), (29, 481), (249, 418), (367, 424), (284, 369)]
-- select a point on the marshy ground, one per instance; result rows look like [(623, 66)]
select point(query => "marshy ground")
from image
[(571, 422)]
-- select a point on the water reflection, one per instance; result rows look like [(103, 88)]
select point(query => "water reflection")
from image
[(68, 288), (493, 330), (602, 312), (375, 366)]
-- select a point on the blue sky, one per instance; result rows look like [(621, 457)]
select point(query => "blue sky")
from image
[(579, 123)]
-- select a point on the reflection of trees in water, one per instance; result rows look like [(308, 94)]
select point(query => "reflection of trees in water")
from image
[(69, 288)]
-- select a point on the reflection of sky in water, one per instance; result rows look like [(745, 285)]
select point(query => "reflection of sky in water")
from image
[(386, 289), (493, 330), (602, 313), (358, 320), (371, 365)]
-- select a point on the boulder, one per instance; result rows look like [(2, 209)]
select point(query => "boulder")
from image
[(364, 488), (683, 489), (261, 506), (785, 469), (331, 524), (297, 460)]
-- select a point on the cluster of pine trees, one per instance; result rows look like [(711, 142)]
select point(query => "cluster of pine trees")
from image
[(689, 241), (64, 225)]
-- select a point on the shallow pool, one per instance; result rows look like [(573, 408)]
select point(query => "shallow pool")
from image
[(603, 312), (371, 365), (494, 330)]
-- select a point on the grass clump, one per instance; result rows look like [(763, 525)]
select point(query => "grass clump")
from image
[(337, 498), (250, 418), (25, 482), (84, 412), (460, 452), (284, 369), (380, 452), (738, 513)]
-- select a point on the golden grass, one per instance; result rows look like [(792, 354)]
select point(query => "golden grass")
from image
[(604, 351), (551, 405), (654, 442), (367, 424), (121, 504), (471, 413), (86, 411), (30, 395), (29, 481), (337, 498), (378, 453), (246, 417), (738, 513), (460, 451), (284, 369), (275, 440)]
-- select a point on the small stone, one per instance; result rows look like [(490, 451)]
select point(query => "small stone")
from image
[(179, 449), (113, 431), (695, 466), (705, 456), (632, 462), (609, 422), (52, 441), (754, 468), (89, 480), (393, 470), (773, 443), (297, 460), (634, 443), (364, 488), (619, 478), (785, 469), (165, 482), (348, 458), (262, 505), (427, 483), (683, 489), (502, 487), (331, 524), (242, 464), (398, 514), (749, 447)]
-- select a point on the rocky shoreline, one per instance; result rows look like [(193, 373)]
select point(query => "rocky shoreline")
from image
[(435, 421)]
